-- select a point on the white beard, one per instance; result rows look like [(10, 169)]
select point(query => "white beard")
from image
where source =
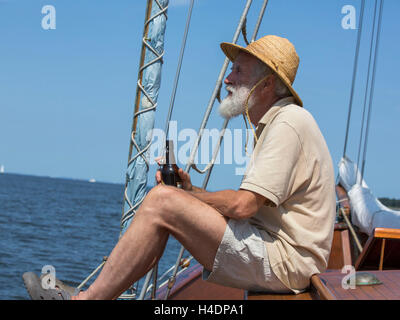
[(234, 104)]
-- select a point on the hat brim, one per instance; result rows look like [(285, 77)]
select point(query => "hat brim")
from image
[(232, 50)]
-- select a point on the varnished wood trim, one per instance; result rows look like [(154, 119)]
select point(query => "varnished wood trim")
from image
[(382, 254), (365, 251), (387, 233), (343, 199), (322, 290), (346, 248), (380, 233)]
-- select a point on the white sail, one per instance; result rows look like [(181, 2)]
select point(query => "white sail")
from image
[(2, 169), (368, 212)]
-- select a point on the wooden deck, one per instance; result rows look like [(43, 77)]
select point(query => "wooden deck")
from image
[(388, 290)]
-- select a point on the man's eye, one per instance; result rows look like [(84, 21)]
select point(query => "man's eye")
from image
[(235, 69)]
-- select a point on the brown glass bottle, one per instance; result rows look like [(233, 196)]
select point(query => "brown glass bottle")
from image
[(169, 171)]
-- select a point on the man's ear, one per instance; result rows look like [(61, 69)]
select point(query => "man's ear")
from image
[(271, 80), (269, 83)]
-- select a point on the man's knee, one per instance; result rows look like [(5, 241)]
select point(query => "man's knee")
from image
[(160, 199)]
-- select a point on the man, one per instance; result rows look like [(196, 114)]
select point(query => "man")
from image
[(273, 233)]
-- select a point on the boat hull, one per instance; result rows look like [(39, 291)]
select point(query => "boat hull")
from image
[(190, 286)]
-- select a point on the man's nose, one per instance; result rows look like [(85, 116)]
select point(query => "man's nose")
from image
[(228, 79)]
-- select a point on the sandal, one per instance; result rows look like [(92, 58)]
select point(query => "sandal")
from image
[(34, 287)]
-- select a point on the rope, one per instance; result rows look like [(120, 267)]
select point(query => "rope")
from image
[(367, 86), (93, 273), (352, 231), (244, 32), (342, 200), (372, 86), (260, 18), (183, 268), (178, 70), (354, 75)]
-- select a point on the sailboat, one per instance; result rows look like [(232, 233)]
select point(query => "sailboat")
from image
[(353, 251), (374, 249), (2, 169)]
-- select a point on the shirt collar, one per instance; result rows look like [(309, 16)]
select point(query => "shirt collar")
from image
[(280, 103), (269, 115)]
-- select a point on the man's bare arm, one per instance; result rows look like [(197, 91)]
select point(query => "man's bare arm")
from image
[(241, 204), (198, 190)]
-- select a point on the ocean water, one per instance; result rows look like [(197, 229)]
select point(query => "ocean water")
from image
[(68, 224)]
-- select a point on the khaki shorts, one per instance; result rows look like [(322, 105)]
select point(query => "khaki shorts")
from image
[(242, 261)]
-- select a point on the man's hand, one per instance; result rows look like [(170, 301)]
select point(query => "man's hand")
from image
[(185, 177)]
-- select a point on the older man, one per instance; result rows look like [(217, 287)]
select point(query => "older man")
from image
[(276, 230)]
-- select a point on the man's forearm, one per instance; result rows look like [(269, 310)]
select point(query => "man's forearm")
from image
[(225, 202), (197, 189)]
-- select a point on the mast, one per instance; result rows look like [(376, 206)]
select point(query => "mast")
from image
[(148, 85)]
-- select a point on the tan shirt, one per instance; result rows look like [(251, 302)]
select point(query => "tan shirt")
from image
[(291, 166)]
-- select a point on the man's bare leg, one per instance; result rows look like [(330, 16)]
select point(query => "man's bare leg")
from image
[(165, 210)]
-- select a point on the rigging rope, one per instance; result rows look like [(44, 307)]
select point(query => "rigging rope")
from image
[(258, 23), (178, 70), (366, 87), (372, 86), (244, 32), (371, 94), (360, 25)]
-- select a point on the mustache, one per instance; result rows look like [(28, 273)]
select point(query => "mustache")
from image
[(230, 88)]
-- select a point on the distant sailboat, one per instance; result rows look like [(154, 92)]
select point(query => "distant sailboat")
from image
[(2, 169), (92, 180)]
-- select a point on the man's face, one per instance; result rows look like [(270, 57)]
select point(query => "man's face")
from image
[(238, 84)]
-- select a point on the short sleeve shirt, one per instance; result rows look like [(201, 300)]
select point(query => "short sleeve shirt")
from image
[(292, 168)]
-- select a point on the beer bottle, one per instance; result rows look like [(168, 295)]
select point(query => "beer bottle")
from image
[(169, 171)]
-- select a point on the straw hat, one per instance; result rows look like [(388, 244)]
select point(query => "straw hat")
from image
[(277, 53)]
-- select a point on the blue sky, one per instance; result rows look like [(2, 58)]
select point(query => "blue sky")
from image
[(66, 95)]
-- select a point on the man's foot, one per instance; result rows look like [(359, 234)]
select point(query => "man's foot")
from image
[(36, 291)]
